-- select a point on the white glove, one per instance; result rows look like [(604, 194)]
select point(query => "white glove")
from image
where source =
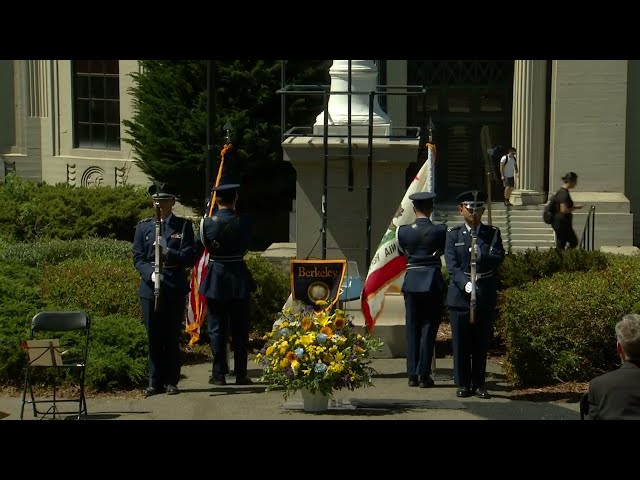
[(163, 244), (467, 287), (476, 248), (153, 277)]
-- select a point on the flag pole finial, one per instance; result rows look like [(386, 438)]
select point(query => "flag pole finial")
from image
[(227, 128), (430, 127)]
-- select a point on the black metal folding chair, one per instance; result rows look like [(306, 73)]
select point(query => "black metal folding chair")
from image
[(58, 342)]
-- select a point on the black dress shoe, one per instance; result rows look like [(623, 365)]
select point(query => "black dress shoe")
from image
[(413, 381), (464, 392), (482, 393), (426, 382), (150, 391), (244, 381), (172, 390), (217, 380)]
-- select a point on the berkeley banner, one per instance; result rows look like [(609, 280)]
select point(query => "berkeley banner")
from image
[(313, 280)]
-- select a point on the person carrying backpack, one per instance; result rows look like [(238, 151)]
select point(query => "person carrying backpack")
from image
[(508, 171), (563, 217)]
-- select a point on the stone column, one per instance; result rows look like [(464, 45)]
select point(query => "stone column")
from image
[(529, 115), (364, 77)]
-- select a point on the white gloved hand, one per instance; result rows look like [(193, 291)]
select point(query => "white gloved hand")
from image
[(163, 244), (467, 287), (153, 277), (476, 248)]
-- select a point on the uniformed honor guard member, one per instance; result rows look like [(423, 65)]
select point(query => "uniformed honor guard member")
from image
[(422, 243), (471, 339), (164, 324), (227, 285)]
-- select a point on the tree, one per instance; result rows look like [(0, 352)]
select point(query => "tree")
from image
[(168, 127)]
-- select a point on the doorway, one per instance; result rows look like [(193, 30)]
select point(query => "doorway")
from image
[(470, 105)]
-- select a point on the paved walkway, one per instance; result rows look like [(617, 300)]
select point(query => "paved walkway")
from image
[(389, 399)]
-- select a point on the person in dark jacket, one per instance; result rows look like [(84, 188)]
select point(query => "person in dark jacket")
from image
[(563, 218), (471, 340), (227, 285), (616, 394), (422, 243), (178, 254)]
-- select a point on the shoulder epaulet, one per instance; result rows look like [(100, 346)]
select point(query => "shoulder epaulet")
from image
[(145, 220), (451, 229)]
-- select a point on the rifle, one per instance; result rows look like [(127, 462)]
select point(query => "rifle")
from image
[(474, 239), (158, 256)]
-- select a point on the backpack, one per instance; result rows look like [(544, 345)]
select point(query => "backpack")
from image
[(550, 210)]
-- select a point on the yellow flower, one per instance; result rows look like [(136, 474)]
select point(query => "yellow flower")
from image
[(339, 323), (327, 357), (322, 318), (291, 356), (284, 362), (270, 350), (335, 367), (295, 364), (307, 339), (339, 356), (284, 324)]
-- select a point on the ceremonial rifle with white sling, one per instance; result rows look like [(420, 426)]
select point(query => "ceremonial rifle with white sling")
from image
[(158, 253), (473, 258)]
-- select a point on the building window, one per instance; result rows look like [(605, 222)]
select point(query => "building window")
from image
[(96, 112)]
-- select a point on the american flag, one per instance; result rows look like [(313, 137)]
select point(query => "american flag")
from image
[(197, 305)]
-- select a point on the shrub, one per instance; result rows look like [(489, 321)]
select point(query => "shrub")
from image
[(98, 286), (271, 293), (520, 268), (37, 211), (561, 328), (117, 353), (20, 301), (55, 251)]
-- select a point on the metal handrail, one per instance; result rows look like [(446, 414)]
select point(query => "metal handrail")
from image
[(587, 241)]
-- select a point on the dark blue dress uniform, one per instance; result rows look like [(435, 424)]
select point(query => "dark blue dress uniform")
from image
[(227, 287), (422, 243), (164, 326), (471, 341)]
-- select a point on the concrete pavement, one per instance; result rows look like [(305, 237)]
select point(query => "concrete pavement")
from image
[(389, 399)]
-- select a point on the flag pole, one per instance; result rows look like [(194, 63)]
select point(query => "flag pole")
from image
[(210, 122)]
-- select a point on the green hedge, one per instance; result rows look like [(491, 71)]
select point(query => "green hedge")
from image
[(561, 328), (38, 211), (98, 276)]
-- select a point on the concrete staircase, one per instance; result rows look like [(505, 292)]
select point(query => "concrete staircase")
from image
[(521, 227)]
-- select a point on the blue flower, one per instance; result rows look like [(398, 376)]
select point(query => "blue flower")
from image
[(284, 332), (320, 367), (299, 352), (321, 338)]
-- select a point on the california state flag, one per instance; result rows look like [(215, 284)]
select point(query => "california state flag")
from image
[(386, 272)]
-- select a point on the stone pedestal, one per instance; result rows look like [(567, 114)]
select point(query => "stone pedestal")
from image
[(347, 232)]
